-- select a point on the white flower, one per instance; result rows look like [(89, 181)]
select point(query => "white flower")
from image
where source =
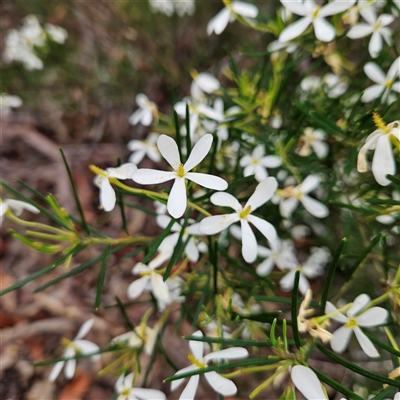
[(377, 26), (192, 248), (310, 269), (177, 199), (313, 139), (220, 384), (354, 319), (163, 6), (280, 254), (380, 140), (7, 102), (313, 14), (290, 197), (334, 85), (146, 111), (215, 224), (151, 280), (183, 7), (203, 83), (175, 286), (141, 336), (307, 382), (257, 163), (16, 207), (220, 21), (101, 180), (75, 347), (383, 84), (125, 391), (57, 33), (147, 147)]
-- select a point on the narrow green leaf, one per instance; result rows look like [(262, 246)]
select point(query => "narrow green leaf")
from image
[(335, 385), (294, 309), (38, 246), (362, 211), (204, 293), (141, 208), (383, 394), (394, 179), (234, 342), (124, 314), (284, 300), (331, 274), (178, 135), (102, 275), (388, 202), (120, 200), (75, 193), (188, 138), (358, 262), (158, 241), (355, 368), (33, 191)]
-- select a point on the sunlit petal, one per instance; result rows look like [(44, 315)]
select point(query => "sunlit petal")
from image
[(169, 150), (340, 340), (217, 223), (220, 384), (199, 152), (366, 344), (207, 181), (307, 382), (249, 242), (263, 192)]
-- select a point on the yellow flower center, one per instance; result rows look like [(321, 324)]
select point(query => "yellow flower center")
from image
[(126, 392), (379, 123), (66, 342), (181, 171), (196, 362), (315, 12), (377, 25), (193, 73), (351, 323), (98, 171), (255, 161), (244, 213), (389, 83)]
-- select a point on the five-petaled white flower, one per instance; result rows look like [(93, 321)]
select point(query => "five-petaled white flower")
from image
[(313, 13), (383, 161), (101, 180), (217, 223), (291, 195), (145, 113), (74, 347), (220, 21), (355, 319), (125, 391), (313, 139), (220, 384), (177, 199), (147, 147), (307, 382), (383, 84), (377, 26), (15, 206), (257, 163)]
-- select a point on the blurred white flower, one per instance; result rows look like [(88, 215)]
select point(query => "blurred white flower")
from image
[(334, 85), (177, 200), (203, 82), (313, 139), (358, 315), (217, 223), (125, 391), (145, 113), (220, 384), (384, 84), (145, 147), (101, 180), (313, 13), (16, 207), (73, 348), (163, 6), (220, 21), (183, 7), (56, 33), (7, 102), (141, 336)]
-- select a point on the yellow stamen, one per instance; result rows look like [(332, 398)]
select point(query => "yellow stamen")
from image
[(126, 392), (181, 171), (193, 73), (97, 170), (379, 123), (243, 214), (255, 161), (146, 273), (195, 361), (377, 25), (315, 13), (66, 342), (351, 323), (389, 83)]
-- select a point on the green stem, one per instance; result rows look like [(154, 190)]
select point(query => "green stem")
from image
[(48, 236), (113, 242)]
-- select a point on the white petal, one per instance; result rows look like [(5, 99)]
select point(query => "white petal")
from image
[(287, 206), (210, 112), (227, 354), (294, 30), (373, 317), (137, 156), (84, 329), (367, 12), (107, 195), (192, 251), (226, 200), (265, 267), (177, 200), (264, 227), (271, 161), (245, 9), (217, 223), (197, 347), (374, 72), (146, 176), (199, 152), (190, 389), (178, 382), (207, 181), (124, 171), (69, 370), (386, 19), (169, 150), (372, 93), (149, 394), (136, 116), (249, 242), (56, 371), (394, 69), (335, 7), (263, 192), (359, 303), (330, 308), (383, 162), (375, 45), (142, 100), (314, 207), (164, 220), (324, 31), (304, 285), (367, 346), (307, 382), (295, 6), (220, 384), (87, 347), (208, 83), (309, 184), (136, 288), (321, 148), (160, 288), (287, 282), (359, 31), (340, 340)]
